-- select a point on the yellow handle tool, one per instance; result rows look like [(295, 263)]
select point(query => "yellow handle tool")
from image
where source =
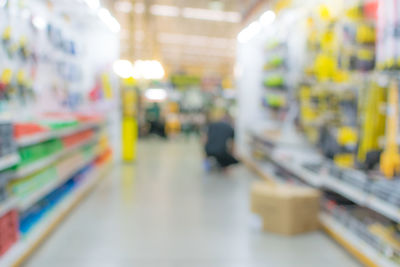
[(390, 158)]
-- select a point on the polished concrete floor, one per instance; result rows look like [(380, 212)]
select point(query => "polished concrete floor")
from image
[(164, 211)]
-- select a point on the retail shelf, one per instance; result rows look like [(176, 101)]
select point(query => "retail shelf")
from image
[(7, 205), (356, 246), (25, 247), (41, 137), (297, 170), (261, 171), (8, 161), (25, 203), (346, 190), (383, 208), (42, 163), (321, 180)]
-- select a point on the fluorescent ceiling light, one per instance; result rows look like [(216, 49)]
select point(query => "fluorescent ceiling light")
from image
[(123, 6), (93, 4), (39, 22), (156, 94), (109, 20), (249, 32), (213, 15), (267, 18), (198, 52), (148, 69), (194, 40), (123, 68), (167, 11)]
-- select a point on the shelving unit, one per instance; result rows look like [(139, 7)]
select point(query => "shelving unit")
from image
[(25, 247), (360, 249), (42, 163), (8, 161), (324, 181), (7, 205), (25, 203), (41, 137), (357, 247)]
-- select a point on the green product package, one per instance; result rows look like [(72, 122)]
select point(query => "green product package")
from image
[(274, 62), (274, 81)]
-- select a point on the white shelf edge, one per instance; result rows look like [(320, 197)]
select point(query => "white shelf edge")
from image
[(7, 205), (41, 137), (346, 190), (8, 161), (355, 241), (383, 207), (300, 172), (23, 246), (42, 163), (32, 199)]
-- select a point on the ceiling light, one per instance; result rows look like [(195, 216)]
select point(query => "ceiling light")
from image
[(213, 15), (123, 68), (267, 18), (168, 11), (148, 69), (109, 20), (123, 6), (93, 4), (249, 32), (39, 22), (204, 14), (156, 94), (194, 40)]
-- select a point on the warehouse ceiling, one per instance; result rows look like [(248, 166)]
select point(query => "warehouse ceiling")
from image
[(189, 36)]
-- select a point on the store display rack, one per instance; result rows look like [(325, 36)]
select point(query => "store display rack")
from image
[(35, 197), (292, 161), (43, 136), (42, 163), (357, 247), (80, 152), (7, 205), (25, 247), (8, 161)]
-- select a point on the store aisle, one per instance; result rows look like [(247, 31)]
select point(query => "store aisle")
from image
[(164, 211)]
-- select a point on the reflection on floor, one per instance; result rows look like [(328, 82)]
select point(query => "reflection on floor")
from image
[(164, 211)]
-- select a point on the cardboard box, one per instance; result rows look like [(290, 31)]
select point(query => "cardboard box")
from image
[(286, 209)]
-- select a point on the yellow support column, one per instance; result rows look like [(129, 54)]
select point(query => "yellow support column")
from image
[(129, 121)]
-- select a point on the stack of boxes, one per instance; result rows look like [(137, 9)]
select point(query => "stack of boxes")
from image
[(285, 209)]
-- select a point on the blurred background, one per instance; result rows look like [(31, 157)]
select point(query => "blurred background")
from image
[(199, 133)]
